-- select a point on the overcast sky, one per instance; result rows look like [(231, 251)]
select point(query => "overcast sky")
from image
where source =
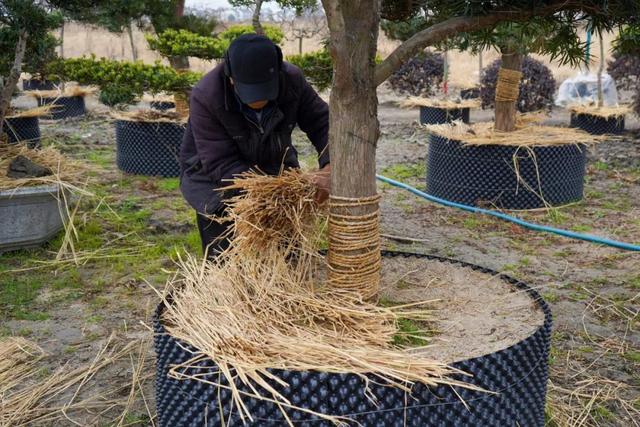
[(218, 3)]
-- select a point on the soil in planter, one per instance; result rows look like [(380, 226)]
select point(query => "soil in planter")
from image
[(475, 313)]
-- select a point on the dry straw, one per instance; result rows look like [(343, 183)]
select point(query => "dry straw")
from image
[(447, 104), (66, 172), (44, 110), (604, 112), (150, 116), (528, 133), (263, 304), (69, 91), (27, 398)]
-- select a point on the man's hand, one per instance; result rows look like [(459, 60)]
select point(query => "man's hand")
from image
[(322, 181)]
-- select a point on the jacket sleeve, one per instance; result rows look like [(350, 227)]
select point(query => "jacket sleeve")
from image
[(217, 151), (313, 119)]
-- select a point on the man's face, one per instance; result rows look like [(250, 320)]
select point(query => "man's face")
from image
[(258, 105)]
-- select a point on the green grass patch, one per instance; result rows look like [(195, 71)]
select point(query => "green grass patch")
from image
[(406, 171), (169, 184), (632, 356)]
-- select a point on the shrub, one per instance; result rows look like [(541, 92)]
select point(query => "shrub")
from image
[(420, 76), (118, 77), (625, 70), (186, 43), (117, 96), (537, 86), (317, 67)]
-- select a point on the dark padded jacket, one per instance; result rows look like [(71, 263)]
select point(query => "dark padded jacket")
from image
[(221, 142)]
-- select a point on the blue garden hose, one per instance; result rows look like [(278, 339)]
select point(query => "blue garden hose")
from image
[(525, 224)]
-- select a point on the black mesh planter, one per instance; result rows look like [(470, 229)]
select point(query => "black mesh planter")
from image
[(518, 374), (148, 148), (35, 84), (597, 125), (65, 106), (23, 129), (162, 105), (471, 93), (435, 115), (503, 176)]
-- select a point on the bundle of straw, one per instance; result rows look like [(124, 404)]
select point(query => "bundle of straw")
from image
[(66, 172), (447, 104), (527, 134), (272, 211), (152, 116), (18, 361), (256, 307)]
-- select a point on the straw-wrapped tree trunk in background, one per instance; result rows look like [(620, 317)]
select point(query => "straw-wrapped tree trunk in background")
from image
[(353, 135), (506, 110), (9, 82)]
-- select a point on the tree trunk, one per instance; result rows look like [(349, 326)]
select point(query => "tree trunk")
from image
[(300, 45), (134, 51), (255, 19), (179, 62), (353, 136), (62, 40), (600, 70), (506, 110), (14, 75), (480, 68)]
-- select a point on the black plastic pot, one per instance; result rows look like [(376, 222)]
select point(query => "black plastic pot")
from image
[(488, 175), (36, 84), (162, 105), (65, 106), (597, 125), (435, 115), (148, 148), (518, 374), (23, 129), (471, 93)]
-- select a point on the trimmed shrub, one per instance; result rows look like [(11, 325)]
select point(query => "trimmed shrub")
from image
[(420, 76), (186, 43), (117, 96), (317, 67), (537, 87)]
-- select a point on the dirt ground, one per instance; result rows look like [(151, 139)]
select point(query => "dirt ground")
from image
[(133, 228)]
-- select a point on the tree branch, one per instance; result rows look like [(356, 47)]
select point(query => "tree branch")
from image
[(14, 75), (443, 30)]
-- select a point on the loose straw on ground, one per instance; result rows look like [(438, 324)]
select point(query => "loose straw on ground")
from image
[(55, 398), (257, 307), (447, 104), (527, 134)]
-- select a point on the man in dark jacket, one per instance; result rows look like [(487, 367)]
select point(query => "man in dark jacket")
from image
[(241, 117)]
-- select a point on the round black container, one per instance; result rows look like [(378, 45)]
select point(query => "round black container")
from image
[(471, 93), (35, 84), (597, 125), (435, 115), (65, 106), (518, 374), (23, 129), (148, 148), (486, 175), (162, 105)]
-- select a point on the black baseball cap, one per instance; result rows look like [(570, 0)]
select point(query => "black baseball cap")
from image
[(254, 65)]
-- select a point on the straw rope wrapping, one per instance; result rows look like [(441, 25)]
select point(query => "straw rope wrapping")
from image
[(354, 259), (508, 85)]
